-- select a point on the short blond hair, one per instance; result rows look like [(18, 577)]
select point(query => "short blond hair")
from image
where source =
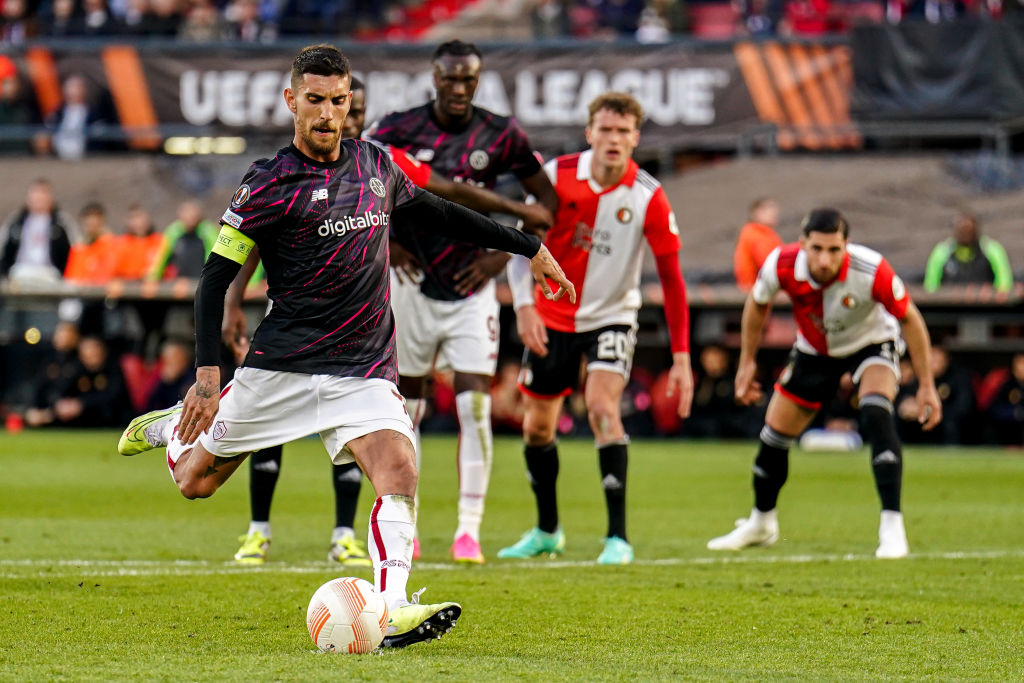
[(618, 102)]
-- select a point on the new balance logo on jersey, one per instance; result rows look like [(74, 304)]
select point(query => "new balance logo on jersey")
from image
[(343, 226), (320, 195)]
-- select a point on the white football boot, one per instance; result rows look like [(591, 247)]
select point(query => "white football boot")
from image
[(759, 529), (892, 537)]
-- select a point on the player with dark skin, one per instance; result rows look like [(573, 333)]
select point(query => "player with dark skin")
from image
[(455, 80)]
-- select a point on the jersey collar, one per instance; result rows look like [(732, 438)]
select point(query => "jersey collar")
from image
[(337, 163), (584, 171)]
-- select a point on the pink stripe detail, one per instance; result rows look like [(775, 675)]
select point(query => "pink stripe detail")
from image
[(442, 255), (292, 201), (382, 554), (253, 193), (279, 201), (375, 365), (324, 265), (354, 316)]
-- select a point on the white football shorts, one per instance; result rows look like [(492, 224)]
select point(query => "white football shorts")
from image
[(462, 335), (262, 408)]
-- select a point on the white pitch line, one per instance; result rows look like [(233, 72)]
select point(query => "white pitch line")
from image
[(49, 568)]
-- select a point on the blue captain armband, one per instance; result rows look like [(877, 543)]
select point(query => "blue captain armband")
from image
[(232, 244)]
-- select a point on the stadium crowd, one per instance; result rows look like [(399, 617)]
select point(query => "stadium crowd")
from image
[(264, 21), (98, 373)]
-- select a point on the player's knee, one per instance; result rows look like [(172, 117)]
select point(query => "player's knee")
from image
[(194, 489), (605, 420), (538, 435), (876, 416)]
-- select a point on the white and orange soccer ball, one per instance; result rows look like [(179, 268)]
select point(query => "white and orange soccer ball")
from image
[(347, 615)]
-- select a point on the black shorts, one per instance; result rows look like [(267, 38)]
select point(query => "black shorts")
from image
[(557, 374), (810, 381)]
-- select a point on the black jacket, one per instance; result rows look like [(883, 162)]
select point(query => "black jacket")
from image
[(60, 240)]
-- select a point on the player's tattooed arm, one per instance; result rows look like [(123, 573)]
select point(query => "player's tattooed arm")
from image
[(200, 405)]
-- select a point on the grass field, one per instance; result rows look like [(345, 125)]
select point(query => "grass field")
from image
[(107, 573)]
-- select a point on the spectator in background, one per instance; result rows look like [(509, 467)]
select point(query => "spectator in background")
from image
[(16, 108), (968, 257), (93, 261), (59, 367), (715, 413), (244, 23), (76, 123), (160, 18), (36, 239), (137, 249), (59, 21), (16, 26), (953, 384), (97, 20), (93, 395), (202, 24), (757, 239), (549, 18), (186, 244), (1007, 411), (176, 375)]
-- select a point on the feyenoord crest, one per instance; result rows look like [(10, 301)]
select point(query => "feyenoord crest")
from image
[(241, 196), (377, 187), (849, 301), (625, 214), (479, 159)]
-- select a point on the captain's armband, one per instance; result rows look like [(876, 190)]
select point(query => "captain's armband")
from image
[(232, 244)]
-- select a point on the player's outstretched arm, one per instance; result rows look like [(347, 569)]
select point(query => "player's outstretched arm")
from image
[(919, 344), (748, 389), (536, 218), (462, 224), (677, 316)]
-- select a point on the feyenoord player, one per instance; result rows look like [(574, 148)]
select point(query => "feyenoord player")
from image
[(849, 308), (607, 208), (447, 310), (322, 361), (265, 465)]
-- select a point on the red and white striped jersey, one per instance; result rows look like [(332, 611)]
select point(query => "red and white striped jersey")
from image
[(598, 239), (862, 306)]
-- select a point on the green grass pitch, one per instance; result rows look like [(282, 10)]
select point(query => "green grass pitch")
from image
[(107, 573)]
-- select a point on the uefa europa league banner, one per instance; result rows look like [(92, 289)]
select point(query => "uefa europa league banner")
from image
[(692, 97), (697, 96)]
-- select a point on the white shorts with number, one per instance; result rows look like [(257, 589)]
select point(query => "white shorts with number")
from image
[(263, 408), (461, 335)]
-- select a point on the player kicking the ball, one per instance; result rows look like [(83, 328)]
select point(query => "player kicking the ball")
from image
[(322, 361), (607, 209), (849, 307)]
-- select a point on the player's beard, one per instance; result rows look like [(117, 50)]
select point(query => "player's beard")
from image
[(321, 144)]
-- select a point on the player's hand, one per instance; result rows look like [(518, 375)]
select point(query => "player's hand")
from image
[(476, 274), (748, 389), (531, 330), (680, 379), (929, 407), (407, 268), (543, 266), (233, 332), (537, 220), (68, 409), (201, 404)]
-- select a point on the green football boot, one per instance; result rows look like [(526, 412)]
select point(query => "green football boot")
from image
[(533, 543), (254, 548), (146, 431), (616, 551), (414, 623)]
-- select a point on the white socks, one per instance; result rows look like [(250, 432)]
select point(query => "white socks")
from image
[(476, 448), (262, 527), (392, 526), (341, 532)]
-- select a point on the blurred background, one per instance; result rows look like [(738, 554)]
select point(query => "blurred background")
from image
[(126, 125)]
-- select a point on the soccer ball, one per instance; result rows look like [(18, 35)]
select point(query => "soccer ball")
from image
[(347, 615)]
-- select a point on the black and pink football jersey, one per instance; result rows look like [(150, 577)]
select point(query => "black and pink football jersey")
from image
[(322, 232), (479, 152)]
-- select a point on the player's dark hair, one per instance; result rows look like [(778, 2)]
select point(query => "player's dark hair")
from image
[(320, 60), (618, 102), (356, 84), (826, 221), (456, 48), (93, 209)]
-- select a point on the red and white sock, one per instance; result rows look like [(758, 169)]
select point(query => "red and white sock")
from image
[(392, 526), (175, 448), (476, 448)]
